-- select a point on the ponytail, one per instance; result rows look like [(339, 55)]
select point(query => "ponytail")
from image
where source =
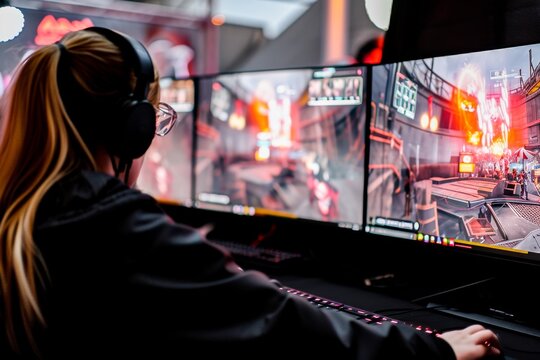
[(35, 151)]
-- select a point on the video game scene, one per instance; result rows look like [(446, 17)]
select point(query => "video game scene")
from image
[(166, 171), (283, 142), (454, 149)]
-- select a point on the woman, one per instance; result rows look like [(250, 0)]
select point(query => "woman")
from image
[(91, 268)]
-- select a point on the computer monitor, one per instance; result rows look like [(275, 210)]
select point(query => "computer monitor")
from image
[(454, 152), (166, 171), (286, 143)]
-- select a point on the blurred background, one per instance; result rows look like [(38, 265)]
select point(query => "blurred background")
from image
[(188, 37), (193, 37)]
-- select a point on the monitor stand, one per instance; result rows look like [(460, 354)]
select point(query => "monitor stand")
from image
[(489, 320), (502, 301)]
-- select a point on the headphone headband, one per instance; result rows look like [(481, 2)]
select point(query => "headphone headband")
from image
[(135, 54)]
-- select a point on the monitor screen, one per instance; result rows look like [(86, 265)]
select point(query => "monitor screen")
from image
[(454, 151), (166, 171), (286, 143)]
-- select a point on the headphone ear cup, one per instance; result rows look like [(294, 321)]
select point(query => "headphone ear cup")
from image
[(137, 129)]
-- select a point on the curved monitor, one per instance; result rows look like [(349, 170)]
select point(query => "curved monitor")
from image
[(286, 143)]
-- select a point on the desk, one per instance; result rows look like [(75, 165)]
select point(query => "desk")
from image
[(516, 345), (339, 268)]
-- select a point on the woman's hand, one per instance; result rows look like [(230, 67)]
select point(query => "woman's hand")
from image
[(473, 342)]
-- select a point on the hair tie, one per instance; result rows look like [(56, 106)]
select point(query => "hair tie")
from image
[(62, 47)]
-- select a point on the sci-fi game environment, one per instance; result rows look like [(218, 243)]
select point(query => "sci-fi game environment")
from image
[(454, 150), (284, 142)]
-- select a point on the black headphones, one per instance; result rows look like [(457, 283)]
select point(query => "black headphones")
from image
[(134, 123)]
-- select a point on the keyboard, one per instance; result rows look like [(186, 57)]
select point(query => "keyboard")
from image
[(242, 251), (360, 314)]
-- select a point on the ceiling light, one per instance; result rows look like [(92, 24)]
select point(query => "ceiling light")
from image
[(11, 21), (379, 12)]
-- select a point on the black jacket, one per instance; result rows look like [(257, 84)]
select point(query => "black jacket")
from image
[(126, 282)]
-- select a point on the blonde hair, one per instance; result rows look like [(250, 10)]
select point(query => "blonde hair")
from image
[(40, 144)]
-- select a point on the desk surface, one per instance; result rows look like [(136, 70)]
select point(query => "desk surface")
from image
[(516, 345)]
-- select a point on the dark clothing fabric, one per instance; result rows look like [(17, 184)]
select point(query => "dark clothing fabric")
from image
[(126, 282)]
